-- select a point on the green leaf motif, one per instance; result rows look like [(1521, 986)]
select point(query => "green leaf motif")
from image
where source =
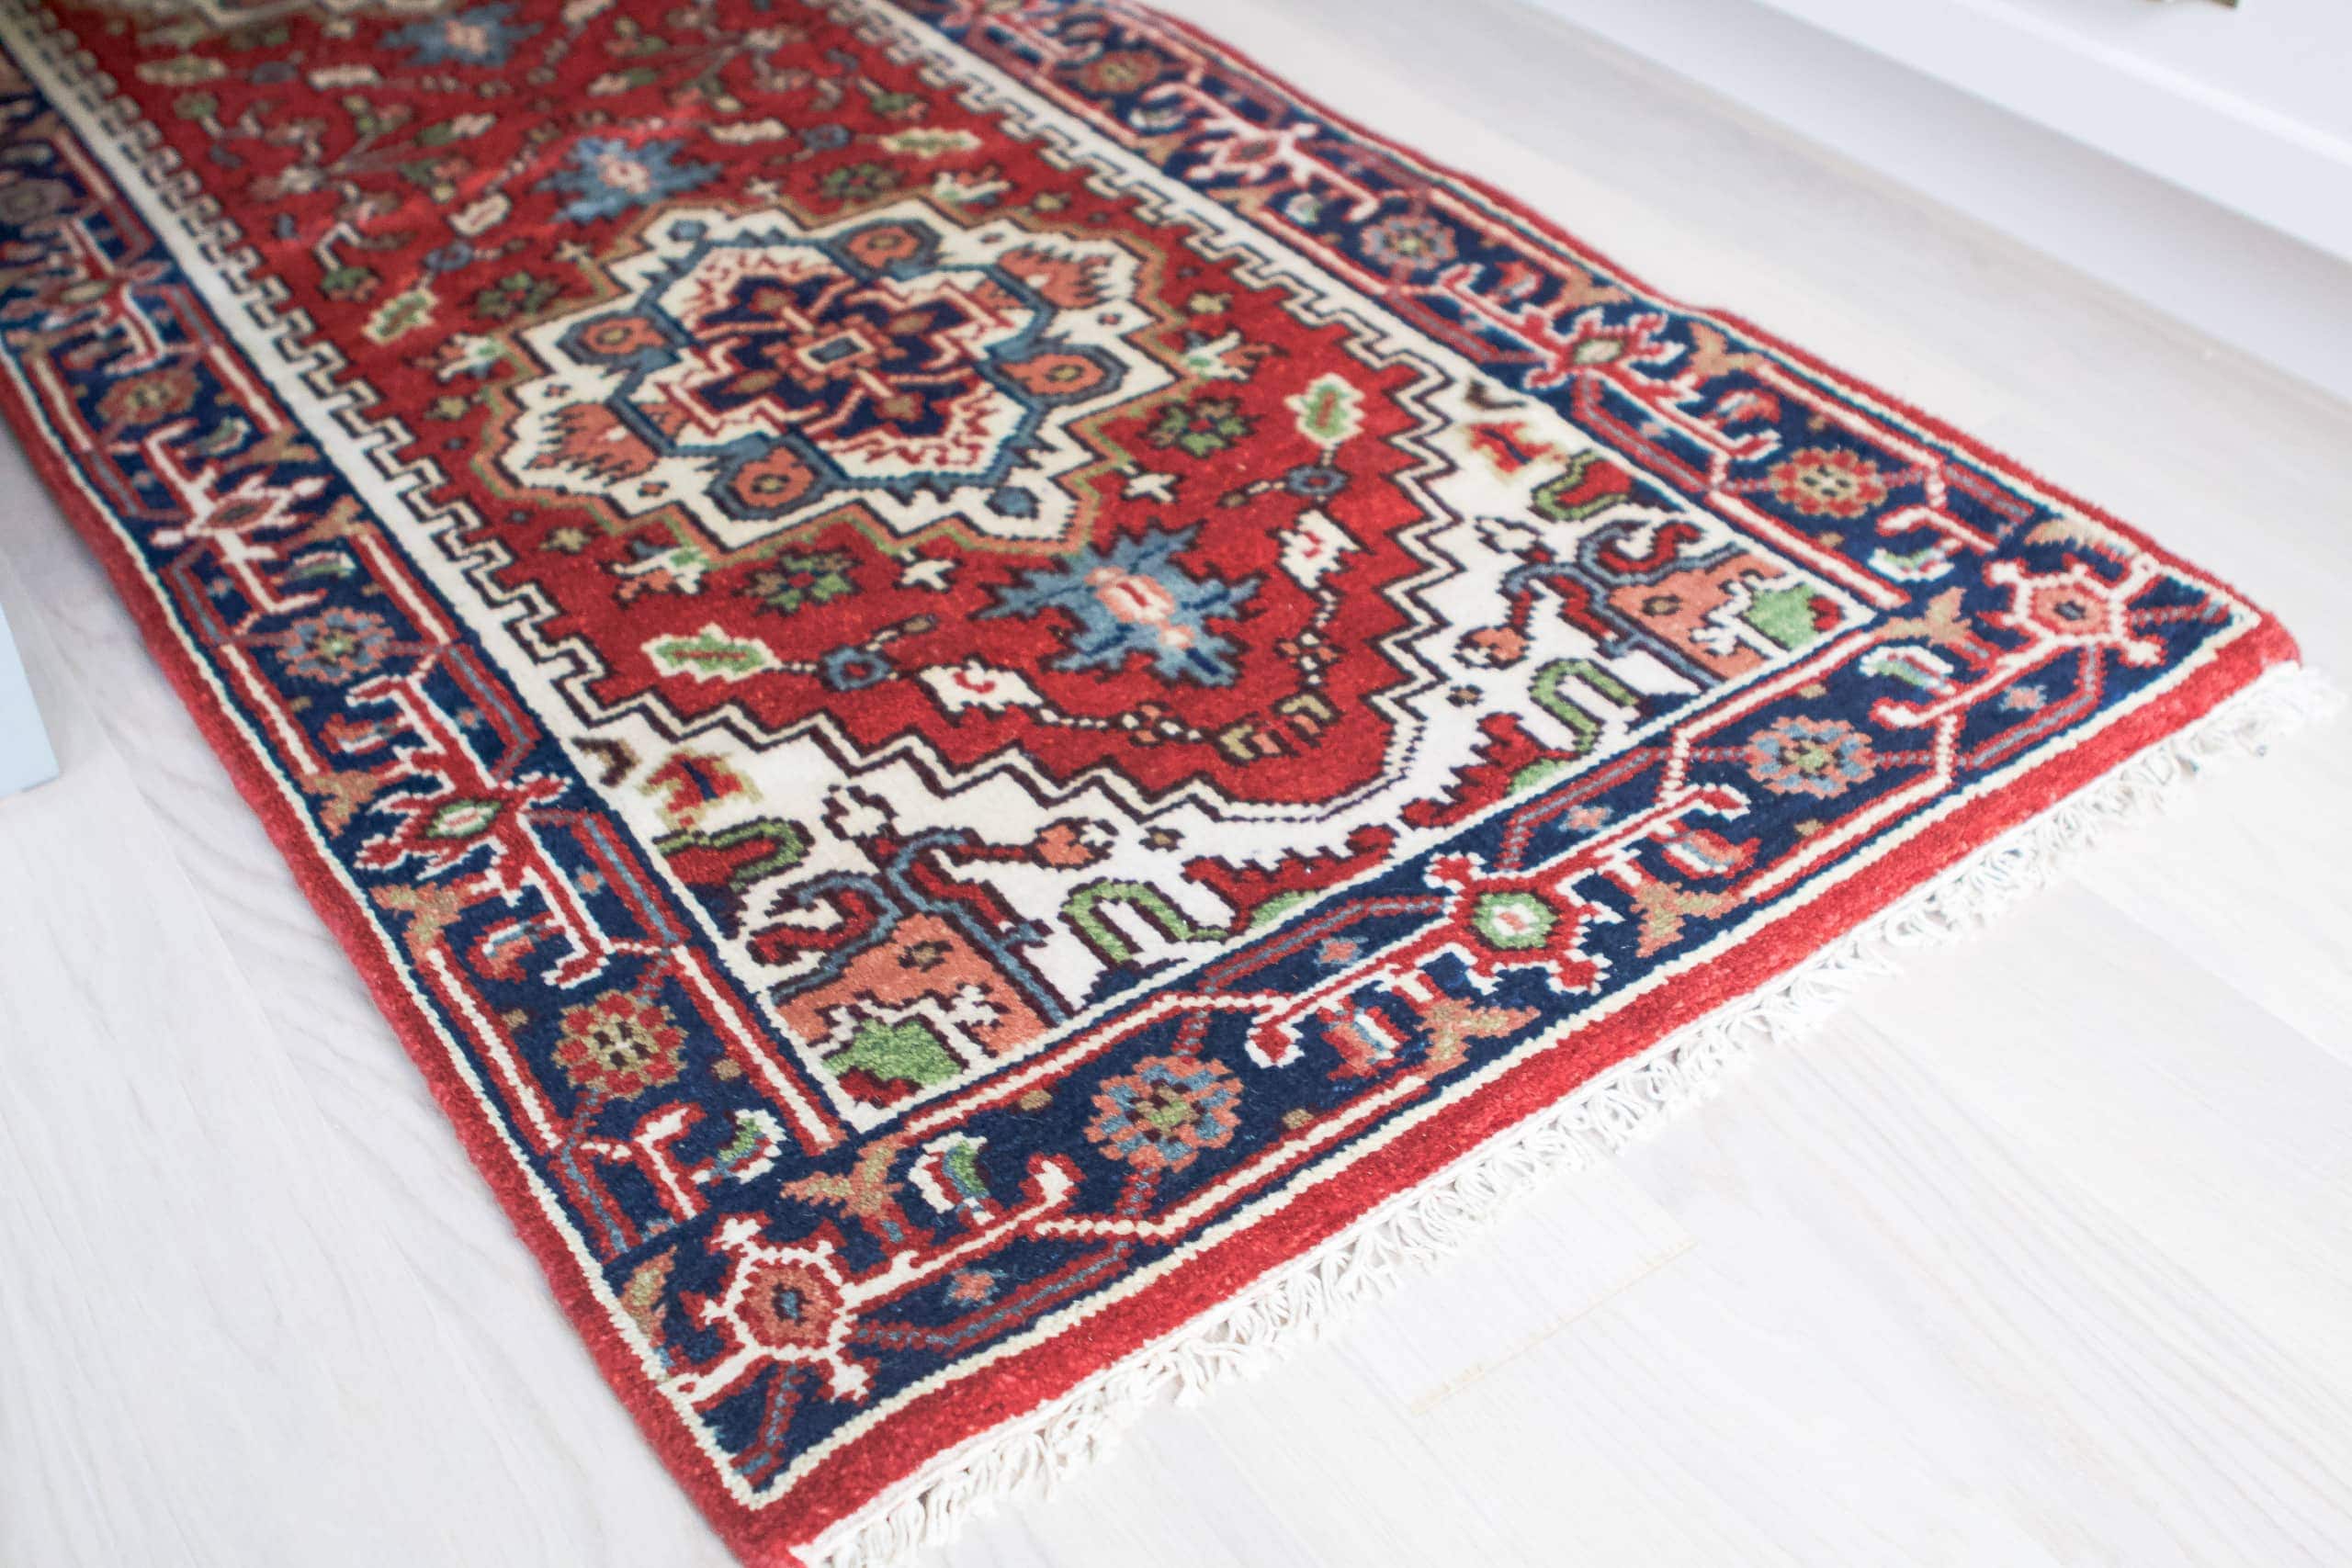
[(710, 654), (1785, 615), (929, 143), (402, 314), (961, 1161), (349, 282), (1552, 694), (182, 71), (1569, 497), (784, 844), (1328, 411), (1085, 911), (902, 1052), (465, 126), (1917, 668)]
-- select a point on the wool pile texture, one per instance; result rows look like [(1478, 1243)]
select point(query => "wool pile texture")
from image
[(997, 705)]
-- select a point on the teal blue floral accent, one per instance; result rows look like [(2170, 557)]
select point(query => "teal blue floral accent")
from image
[(1131, 599), (608, 177), (854, 669), (479, 36)]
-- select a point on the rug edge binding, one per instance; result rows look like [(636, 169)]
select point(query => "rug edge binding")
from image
[(1298, 1303)]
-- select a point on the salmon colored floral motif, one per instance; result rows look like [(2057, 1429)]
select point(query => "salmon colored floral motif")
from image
[(965, 675)]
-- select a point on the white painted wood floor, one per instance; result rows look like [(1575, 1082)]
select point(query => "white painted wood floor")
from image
[(2043, 1254)]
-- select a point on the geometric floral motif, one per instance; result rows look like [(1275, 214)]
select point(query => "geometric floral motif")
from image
[(965, 676), (757, 376)]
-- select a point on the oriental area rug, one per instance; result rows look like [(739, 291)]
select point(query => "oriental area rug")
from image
[(1001, 709)]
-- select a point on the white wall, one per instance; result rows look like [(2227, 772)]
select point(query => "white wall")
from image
[(2233, 215), (2251, 107)]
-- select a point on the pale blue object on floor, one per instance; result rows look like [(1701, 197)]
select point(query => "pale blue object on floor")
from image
[(25, 759)]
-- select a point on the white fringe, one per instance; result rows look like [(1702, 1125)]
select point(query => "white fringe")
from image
[(1297, 1302)]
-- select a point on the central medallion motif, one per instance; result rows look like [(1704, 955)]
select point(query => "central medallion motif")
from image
[(758, 375)]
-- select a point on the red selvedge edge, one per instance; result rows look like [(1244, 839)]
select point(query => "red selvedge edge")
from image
[(854, 1476)]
